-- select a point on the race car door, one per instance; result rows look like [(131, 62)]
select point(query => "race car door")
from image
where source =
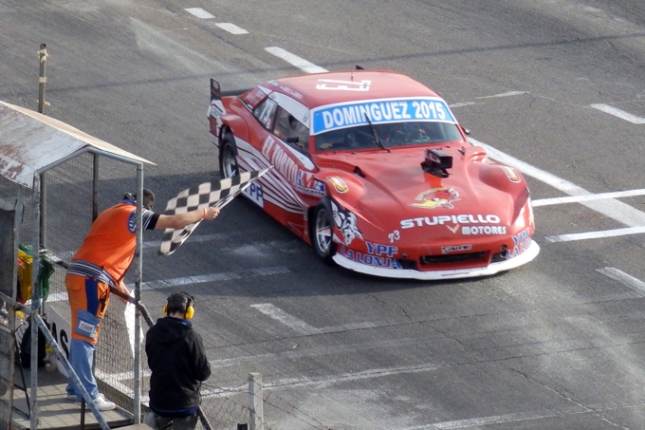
[(285, 147)]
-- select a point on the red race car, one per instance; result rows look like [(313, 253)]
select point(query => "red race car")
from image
[(372, 169)]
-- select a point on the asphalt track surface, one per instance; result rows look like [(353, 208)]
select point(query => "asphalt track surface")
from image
[(554, 86)]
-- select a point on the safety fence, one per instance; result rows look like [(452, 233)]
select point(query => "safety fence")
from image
[(253, 407), (72, 196), (69, 212)]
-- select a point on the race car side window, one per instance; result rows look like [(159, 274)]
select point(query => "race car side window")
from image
[(291, 130), (265, 113)]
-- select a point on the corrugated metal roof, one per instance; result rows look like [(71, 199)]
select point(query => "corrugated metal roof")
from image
[(30, 141)]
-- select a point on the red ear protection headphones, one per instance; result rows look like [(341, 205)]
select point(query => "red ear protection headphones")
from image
[(180, 302)]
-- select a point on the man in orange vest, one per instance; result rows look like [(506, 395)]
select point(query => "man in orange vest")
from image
[(101, 263)]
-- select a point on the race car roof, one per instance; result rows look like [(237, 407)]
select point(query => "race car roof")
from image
[(320, 89)]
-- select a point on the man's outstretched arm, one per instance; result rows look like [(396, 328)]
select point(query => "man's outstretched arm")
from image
[(184, 219)]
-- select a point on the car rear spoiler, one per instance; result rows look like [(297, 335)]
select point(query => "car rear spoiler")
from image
[(217, 93), (216, 108)]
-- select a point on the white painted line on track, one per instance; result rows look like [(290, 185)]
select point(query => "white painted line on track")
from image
[(596, 234), (325, 381), (318, 351), (469, 423), (587, 198), (294, 60), (214, 277), (300, 326), (613, 209), (191, 280), (193, 238), (502, 419), (289, 320), (508, 94), (347, 327), (627, 280), (456, 105), (328, 380), (619, 113), (199, 13), (293, 354), (231, 28)]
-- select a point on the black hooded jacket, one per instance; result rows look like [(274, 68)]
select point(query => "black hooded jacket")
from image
[(177, 359)]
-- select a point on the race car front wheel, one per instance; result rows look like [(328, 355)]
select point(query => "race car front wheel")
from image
[(322, 232), (228, 157)]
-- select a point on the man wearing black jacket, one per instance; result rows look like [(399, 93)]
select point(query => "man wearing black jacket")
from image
[(178, 362)]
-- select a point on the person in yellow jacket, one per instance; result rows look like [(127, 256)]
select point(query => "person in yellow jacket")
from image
[(101, 263)]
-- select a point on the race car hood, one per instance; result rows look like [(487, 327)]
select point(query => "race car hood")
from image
[(392, 191)]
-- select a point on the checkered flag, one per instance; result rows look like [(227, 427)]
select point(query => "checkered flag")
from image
[(217, 194)]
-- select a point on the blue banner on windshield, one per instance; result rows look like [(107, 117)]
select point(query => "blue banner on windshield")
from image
[(328, 118)]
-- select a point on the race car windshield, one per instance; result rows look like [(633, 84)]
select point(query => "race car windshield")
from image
[(391, 134)]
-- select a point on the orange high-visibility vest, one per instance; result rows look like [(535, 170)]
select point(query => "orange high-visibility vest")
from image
[(111, 241)]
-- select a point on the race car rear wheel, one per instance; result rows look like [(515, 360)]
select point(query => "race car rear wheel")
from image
[(323, 231), (228, 157)]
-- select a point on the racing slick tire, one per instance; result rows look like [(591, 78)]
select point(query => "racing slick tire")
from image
[(322, 231), (228, 157)]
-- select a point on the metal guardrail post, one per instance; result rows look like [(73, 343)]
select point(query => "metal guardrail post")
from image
[(256, 401), (35, 304), (42, 80)]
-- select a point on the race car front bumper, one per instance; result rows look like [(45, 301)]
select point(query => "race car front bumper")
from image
[(432, 275)]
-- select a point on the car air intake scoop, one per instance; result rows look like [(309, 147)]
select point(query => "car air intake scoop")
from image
[(437, 162)]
